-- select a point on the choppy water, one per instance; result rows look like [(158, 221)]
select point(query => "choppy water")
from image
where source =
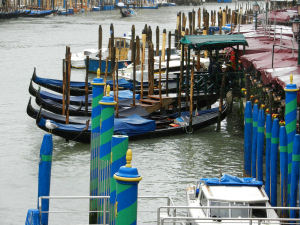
[(166, 164)]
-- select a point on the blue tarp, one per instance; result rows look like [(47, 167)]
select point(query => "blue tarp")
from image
[(132, 125), (232, 181), (123, 95)]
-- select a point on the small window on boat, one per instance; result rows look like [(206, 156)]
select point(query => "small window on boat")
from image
[(203, 200), (224, 213), (259, 213), (239, 213)]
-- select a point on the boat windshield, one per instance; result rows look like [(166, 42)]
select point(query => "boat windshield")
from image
[(239, 213), (219, 212), (226, 212)]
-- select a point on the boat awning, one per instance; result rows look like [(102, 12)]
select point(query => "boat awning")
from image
[(198, 42)]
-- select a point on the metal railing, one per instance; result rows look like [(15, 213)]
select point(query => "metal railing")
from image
[(162, 219)]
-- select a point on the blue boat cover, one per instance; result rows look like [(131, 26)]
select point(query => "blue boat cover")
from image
[(123, 95), (132, 125), (230, 180)]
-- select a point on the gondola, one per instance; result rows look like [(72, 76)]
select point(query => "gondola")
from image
[(123, 95), (39, 13), (127, 12), (82, 119), (77, 88), (137, 127), (133, 125)]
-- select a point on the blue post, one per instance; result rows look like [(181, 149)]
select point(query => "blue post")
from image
[(98, 87), (254, 140), (290, 121), (268, 151), (247, 138), (33, 217), (274, 152), (283, 164), (45, 175), (260, 143), (119, 147), (127, 179), (295, 174)]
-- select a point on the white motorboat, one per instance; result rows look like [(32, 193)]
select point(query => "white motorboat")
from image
[(229, 200)]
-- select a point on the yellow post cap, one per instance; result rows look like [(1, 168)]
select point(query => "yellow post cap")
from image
[(98, 73), (128, 158), (107, 90), (291, 78)]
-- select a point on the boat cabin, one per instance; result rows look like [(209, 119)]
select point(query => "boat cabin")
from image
[(229, 197), (122, 45), (232, 196)]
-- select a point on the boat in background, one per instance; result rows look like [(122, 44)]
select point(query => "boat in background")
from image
[(217, 196), (127, 12), (38, 13)]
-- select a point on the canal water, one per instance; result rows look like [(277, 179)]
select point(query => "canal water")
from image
[(166, 164)]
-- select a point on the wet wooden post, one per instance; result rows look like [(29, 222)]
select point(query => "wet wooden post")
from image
[(112, 44), (191, 98), (105, 75), (180, 78), (159, 84), (179, 29), (87, 85), (168, 63), (150, 68), (163, 48), (68, 72), (132, 41), (144, 37), (194, 21), (114, 81), (100, 45), (117, 90), (138, 55), (190, 21), (188, 68), (134, 71), (223, 18), (157, 41), (221, 101), (183, 23), (64, 87), (149, 34)]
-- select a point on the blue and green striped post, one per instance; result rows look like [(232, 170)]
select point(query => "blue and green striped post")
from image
[(260, 142), (290, 121), (268, 151), (127, 179), (295, 175), (274, 159), (45, 175), (254, 139), (98, 86), (106, 132), (283, 164), (119, 146), (247, 138)]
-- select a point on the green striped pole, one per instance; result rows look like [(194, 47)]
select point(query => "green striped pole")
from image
[(98, 86), (106, 132), (290, 122), (127, 179), (119, 146)]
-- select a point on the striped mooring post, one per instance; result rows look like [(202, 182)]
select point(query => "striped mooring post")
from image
[(98, 86), (254, 139), (119, 146), (274, 159), (295, 175), (283, 164), (290, 121), (247, 138), (45, 175), (106, 132), (268, 151), (127, 179), (260, 142)]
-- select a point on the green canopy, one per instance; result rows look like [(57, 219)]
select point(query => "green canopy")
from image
[(213, 41)]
